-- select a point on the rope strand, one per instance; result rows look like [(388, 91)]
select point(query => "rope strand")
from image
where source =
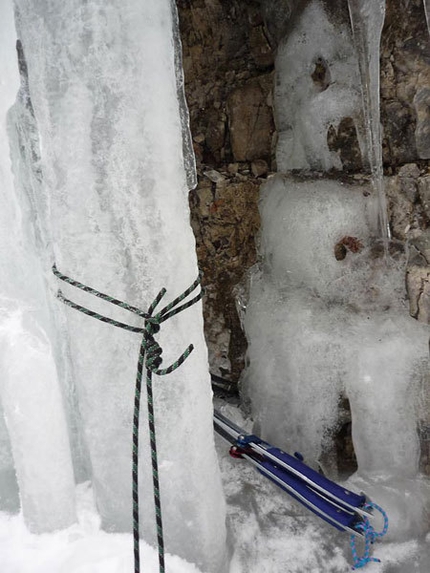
[(150, 360), (369, 537)]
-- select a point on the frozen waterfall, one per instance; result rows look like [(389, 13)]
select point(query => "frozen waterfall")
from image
[(327, 318), (101, 158)]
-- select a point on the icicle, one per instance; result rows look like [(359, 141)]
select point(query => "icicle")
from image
[(367, 19), (427, 12)]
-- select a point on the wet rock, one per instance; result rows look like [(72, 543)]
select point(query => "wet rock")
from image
[(259, 168), (344, 141), (261, 51), (214, 176), (250, 122), (424, 194), (225, 220), (418, 285), (405, 77), (422, 110)]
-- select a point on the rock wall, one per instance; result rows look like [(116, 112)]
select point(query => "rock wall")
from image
[(229, 49), (228, 63)]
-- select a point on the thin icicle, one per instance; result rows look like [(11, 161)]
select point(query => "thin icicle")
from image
[(367, 19)]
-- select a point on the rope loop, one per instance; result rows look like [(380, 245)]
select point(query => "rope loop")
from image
[(149, 359), (369, 537)]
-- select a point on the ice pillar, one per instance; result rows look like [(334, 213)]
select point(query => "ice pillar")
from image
[(29, 386), (327, 314), (104, 87)]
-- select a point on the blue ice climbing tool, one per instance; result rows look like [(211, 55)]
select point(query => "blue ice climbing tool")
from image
[(338, 506)]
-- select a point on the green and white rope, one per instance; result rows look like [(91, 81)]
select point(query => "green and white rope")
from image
[(149, 360)]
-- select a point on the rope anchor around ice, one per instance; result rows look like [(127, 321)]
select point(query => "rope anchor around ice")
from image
[(150, 359)]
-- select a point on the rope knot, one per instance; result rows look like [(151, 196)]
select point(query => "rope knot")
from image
[(153, 349), (150, 358)]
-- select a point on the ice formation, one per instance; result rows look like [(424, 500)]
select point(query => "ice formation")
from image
[(104, 193), (327, 314), (29, 386), (316, 87), (426, 4), (367, 20)]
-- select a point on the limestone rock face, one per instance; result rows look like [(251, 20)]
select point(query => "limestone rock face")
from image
[(229, 51), (405, 83), (228, 62), (250, 121), (225, 221)]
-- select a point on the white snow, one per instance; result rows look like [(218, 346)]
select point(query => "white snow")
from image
[(268, 532), (81, 548)]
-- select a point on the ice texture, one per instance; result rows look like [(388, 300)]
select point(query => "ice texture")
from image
[(307, 105), (367, 20), (36, 422), (8, 86), (320, 326), (269, 532), (9, 495), (105, 90), (294, 328), (303, 222), (294, 374), (29, 386), (426, 4), (387, 365)]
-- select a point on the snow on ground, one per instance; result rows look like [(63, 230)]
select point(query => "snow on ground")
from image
[(82, 548), (271, 533), (268, 533)]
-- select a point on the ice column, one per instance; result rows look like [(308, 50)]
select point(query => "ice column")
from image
[(294, 321), (9, 84), (367, 20), (104, 86), (426, 4), (29, 386)]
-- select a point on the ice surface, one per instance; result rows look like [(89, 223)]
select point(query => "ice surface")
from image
[(268, 533), (294, 375), (387, 365), (367, 20), (302, 223), (81, 548), (426, 4), (114, 204), (9, 496), (8, 87), (36, 422), (320, 326), (29, 388), (272, 533), (305, 108)]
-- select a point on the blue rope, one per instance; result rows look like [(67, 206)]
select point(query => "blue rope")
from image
[(369, 537)]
